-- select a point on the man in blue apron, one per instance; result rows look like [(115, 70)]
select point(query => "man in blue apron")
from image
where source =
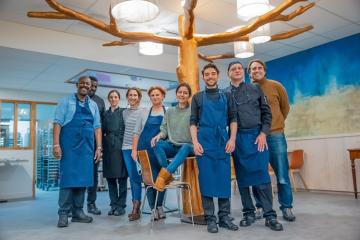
[(76, 122), (211, 112), (251, 156)]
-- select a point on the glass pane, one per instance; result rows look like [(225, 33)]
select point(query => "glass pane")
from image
[(7, 124), (23, 125), (47, 168)]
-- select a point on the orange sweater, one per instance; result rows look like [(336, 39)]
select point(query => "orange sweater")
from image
[(278, 101)]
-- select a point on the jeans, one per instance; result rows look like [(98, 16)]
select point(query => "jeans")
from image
[(209, 208), (264, 198), (117, 192), (151, 195), (279, 162), (71, 199), (91, 197), (135, 177), (165, 149)]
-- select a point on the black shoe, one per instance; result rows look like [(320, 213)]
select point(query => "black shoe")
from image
[(111, 211), (273, 224), (288, 215), (91, 208), (63, 221), (247, 221), (228, 224), (119, 211), (81, 217), (212, 227)]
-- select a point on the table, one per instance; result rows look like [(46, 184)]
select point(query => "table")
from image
[(354, 155)]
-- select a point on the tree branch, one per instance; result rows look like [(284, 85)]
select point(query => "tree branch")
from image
[(290, 34), (271, 16), (203, 57), (109, 28), (50, 15), (295, 13), (117, 43), (189, 18)]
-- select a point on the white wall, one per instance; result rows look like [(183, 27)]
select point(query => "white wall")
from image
[(327, 165), (11, 94)]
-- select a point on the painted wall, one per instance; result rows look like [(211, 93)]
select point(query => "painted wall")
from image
[(323, 84)]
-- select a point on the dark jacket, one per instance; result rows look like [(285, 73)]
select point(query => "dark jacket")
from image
[(252, 107), (113, 127)]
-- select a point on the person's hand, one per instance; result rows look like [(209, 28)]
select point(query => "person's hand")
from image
[(230, 146), (57, 152), (134, 155), (261, 142), (198, 149), (98, 154), (154, 140)]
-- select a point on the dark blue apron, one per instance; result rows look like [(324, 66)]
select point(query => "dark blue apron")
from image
[(214, 164), (251, 166), (151, 129), (77, 145)]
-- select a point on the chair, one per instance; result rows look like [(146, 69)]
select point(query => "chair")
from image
[(148, 180), (296, 163), (233, 174)]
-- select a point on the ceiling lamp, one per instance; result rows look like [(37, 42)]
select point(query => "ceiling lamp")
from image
[(260, 35), (150, 48), (247, 9), (243, 49), (135, 11)]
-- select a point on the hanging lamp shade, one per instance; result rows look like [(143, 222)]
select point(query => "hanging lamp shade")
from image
[(260, 35), (247, 9), (150, 48), (243, 49), (135, 11)]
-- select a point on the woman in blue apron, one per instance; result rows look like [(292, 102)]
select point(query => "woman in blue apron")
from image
[(211, 109), (76, 149), (149, 130)]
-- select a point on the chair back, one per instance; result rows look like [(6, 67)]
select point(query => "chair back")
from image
[(297, 159), (146, 172)]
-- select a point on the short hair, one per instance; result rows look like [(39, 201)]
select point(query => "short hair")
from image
[(92, 78), (113, 91), (161, 89), (210, 65), (258, 61), (233, 63), (136, 90), (82, 77), (184, 85)]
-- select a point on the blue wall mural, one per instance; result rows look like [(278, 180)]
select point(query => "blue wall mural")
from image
[(323, 84)]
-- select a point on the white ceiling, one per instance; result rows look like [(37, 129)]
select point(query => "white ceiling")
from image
[(332, 19)]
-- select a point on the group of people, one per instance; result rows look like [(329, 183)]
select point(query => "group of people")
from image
[(245, 120)]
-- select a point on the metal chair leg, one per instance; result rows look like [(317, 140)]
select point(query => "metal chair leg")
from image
[(191, 209), (143, 203), (154, 209), (293, 181), (178, 201)]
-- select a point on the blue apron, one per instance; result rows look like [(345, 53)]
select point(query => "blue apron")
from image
[(151, 129), (214, 164), (77, 145), (251, 166)]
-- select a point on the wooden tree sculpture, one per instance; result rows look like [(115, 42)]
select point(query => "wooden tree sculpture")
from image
[(188, 42)]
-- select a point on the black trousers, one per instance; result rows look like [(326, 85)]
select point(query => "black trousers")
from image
[(264, 193), (209, 208), (117, 192), (91, 197)]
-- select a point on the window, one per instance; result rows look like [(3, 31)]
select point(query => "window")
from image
[(23, 125), (7, 110)]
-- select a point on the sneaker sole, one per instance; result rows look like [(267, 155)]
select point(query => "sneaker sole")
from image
[(81, 220)]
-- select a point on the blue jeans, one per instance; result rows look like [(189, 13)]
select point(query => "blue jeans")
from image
[(135, 177), (71, 199), (279, 162), (165, 149)]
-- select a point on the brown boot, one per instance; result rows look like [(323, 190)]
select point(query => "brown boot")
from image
[(135, 214), (162, 179)]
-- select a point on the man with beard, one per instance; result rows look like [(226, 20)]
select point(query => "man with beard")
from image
[(76, 123)]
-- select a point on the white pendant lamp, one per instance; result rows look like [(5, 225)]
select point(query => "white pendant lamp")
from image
[(260, 35), (247, 9), (243, 49), (150, 48), (135, 11)]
